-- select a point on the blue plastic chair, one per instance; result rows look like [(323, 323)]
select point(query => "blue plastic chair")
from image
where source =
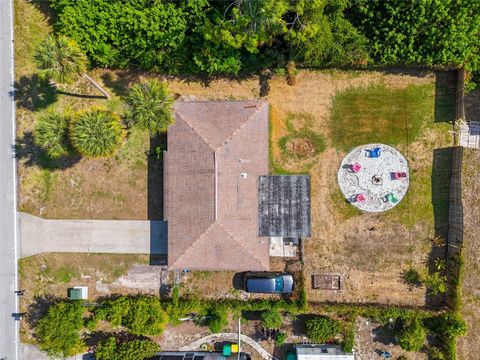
[(374, 153)]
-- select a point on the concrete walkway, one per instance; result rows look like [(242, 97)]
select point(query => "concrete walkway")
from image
[(91, 236), (231, 337)]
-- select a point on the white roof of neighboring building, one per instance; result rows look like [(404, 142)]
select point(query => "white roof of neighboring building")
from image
[(322, 352)]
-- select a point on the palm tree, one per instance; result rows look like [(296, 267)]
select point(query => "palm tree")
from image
[(51, 134), (150, 106), (61, 60), (97, 133)]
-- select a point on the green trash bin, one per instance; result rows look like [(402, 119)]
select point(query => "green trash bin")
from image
[(227, 350), (291, 356)]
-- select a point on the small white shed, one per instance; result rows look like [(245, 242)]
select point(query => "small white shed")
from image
[(321, 352)]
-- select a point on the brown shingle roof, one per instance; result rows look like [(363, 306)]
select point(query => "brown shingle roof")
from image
[(211, 208)]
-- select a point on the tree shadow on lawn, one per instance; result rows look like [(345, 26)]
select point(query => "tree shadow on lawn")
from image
[(34, 93), (45, 9), (39, 307), (440, 178), (25, 148), (298, 324), (384, 334), (81, 96), (94, 338), (445, 96), (120, 85)]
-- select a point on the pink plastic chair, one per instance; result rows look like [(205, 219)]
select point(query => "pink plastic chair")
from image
[(360, 198), (399, 175), (356, 167)]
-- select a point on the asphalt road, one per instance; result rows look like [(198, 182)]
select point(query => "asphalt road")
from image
[(8, 192)]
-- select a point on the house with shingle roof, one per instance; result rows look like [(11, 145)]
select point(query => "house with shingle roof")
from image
[(216, 153)]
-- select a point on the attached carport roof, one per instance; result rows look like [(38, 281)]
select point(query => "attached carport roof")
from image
[(284, 206)]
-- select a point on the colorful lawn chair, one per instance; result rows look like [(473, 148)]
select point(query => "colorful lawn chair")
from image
[(360, 198), (374, 153), (390, 197), (356, 167), (399, 175)]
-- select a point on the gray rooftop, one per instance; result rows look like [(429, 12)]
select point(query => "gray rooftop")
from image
[(284, 206), (322, 352)]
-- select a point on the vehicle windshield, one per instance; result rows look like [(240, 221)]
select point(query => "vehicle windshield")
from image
[(278, 284)]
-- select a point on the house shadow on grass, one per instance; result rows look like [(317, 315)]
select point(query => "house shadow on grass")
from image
[(441, 177), (26, 149), (445, 96), (158, 227)]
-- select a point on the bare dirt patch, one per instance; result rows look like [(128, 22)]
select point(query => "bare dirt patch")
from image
[(301, 146)]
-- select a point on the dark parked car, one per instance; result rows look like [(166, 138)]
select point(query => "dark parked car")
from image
[(268, 282)]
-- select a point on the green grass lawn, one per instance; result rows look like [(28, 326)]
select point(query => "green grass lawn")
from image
[(405, 118), (377, 113)]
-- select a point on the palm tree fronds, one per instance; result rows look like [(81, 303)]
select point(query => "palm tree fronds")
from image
[(150, 106)]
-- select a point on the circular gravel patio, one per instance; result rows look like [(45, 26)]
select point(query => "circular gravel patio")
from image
[(374, 181)]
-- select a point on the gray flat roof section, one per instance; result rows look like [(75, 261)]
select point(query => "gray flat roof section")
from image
[(284, 206)]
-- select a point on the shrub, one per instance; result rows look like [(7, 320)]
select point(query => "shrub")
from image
[(51, 134), (272, 319), (58, 331), (412, 277), (412, 335), (436, 283), (447, 326), (322, 329), (435, 353), (91, 323), (280, 339), (349, 337), (142, 315), (302, 300), (178, 308), (150, 106), (97, 133), (113, 349), (218, 319)]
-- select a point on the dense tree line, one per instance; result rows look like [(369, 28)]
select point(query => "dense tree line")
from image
[(426, 32), (228, 37)]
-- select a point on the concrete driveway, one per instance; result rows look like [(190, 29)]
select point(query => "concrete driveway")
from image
[(91, 236)]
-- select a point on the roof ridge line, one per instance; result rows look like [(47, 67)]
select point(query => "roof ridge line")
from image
[(192, 244), (230, 137), (195, 131)]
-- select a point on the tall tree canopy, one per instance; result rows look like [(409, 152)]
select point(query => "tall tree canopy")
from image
[(231, 36), (426, 32), (59, 330)]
